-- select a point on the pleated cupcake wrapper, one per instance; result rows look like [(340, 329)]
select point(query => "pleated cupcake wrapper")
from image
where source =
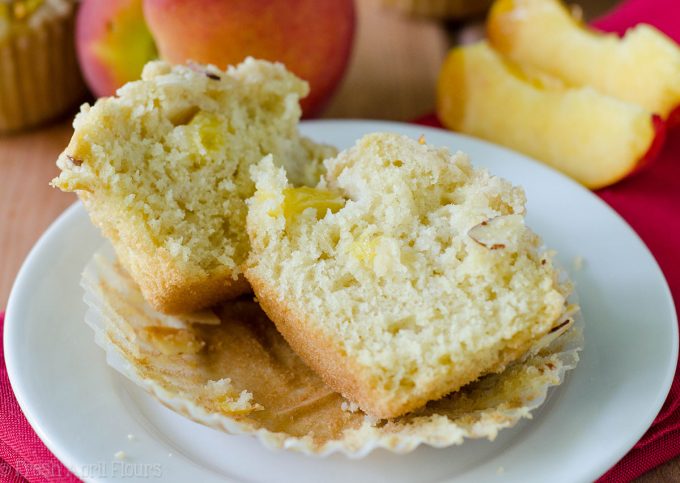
[(443, 9), (39, 75), (117, 311)]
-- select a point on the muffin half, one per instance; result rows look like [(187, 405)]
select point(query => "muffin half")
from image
[(162, 169), (404, 275)]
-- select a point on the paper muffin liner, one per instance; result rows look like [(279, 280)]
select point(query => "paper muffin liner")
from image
[(443, 9), (39, 74), (231, 370)]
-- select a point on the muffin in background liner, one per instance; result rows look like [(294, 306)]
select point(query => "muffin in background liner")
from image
[(231, 370), (441, 9), (39, 74)]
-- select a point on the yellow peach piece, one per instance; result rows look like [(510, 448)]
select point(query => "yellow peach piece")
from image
[(299, 199), (208, 132), (642, 67), (593, 138)]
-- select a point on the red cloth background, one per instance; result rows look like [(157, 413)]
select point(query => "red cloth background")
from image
[(649, 201)]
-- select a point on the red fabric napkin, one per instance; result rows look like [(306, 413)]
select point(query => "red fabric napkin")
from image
[(23, 457), (649, 201)]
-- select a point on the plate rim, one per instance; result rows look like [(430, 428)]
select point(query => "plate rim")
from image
[(9, 350), (12, 354)]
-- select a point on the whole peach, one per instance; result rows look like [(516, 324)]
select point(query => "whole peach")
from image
[(313, 38), (113, 43)]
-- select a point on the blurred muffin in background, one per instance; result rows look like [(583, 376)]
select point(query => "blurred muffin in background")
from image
[(39, 75), (442, 9)]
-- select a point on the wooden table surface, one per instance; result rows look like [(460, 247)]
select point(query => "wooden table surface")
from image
[(391, 76)]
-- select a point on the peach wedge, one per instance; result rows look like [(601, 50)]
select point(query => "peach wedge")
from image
[(642, 67), (593, 138)]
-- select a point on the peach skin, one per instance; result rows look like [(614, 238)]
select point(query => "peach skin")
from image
[(313, 38), (113, 43)]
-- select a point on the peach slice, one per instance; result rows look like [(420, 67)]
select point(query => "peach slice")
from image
[(593, 138), (643, 67)]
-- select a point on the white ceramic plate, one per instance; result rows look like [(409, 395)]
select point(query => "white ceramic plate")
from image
[(84, 411)]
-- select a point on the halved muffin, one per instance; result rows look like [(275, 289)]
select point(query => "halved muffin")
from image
[(404, 275), (162, 168)]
